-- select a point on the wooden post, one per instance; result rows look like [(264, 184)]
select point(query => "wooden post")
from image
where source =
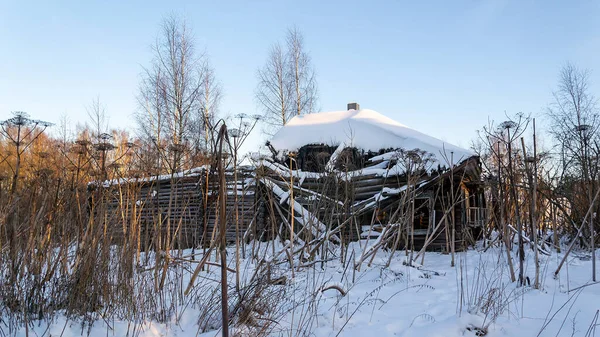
[(453, 202), (223, 229), (237, 217), (291, 154), (534, 209)]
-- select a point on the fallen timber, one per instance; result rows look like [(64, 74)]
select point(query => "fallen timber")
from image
[(180, 211)]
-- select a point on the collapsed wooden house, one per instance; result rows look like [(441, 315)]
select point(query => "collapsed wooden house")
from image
[(343, 176), (357, 172)]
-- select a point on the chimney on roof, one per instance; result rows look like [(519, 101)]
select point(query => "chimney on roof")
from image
[(353, 106)]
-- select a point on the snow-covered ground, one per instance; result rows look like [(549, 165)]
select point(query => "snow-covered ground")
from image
[(475, 297)]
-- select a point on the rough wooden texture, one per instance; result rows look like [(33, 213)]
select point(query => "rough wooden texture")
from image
[(353, 202), (179, 212), (182, 212)]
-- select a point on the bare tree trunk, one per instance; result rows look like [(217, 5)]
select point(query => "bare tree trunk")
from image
[(513, 189), (504, 225), (532, 216)]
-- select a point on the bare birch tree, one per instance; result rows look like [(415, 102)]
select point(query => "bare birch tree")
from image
[(575, 122), (96, 112), (302, 73), (273, 91), (172, 94), (150, 115), (287, 84), (209, 109)]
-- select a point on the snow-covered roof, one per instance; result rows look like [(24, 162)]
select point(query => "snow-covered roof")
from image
[(364, 129)]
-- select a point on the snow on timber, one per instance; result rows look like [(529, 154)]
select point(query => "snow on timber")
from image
[(364, 129)]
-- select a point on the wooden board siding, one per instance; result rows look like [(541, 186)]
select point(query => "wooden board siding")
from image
[(183, 210), (180, 210)]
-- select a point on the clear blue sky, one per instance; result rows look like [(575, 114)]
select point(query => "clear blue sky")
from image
[(442, 67)]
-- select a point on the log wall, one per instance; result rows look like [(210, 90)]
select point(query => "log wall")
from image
[(180, 212)]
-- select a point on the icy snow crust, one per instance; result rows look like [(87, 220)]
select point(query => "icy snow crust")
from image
[(364, 129)]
